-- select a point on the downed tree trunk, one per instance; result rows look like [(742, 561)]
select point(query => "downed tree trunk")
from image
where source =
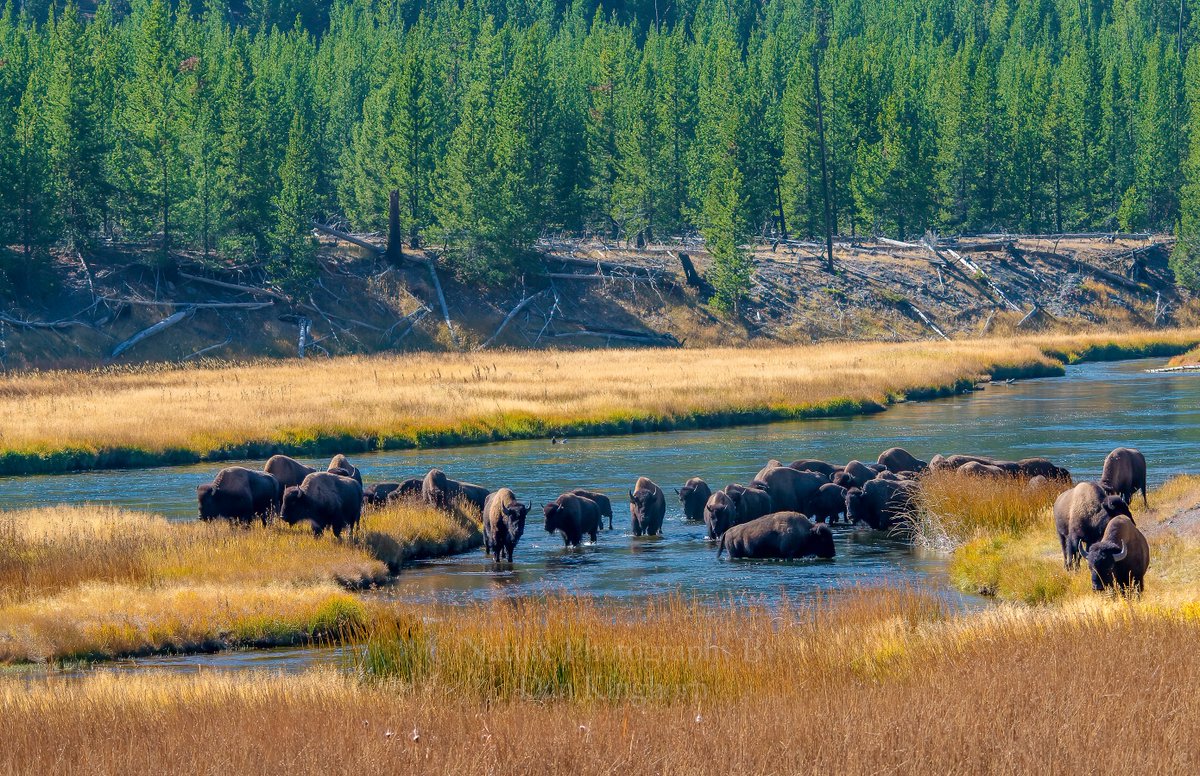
[(437, 287), (338, 233), (600, 265), (512, 314), (190, 305), (1103, 274), (63, 324), (689, 271), (150, 331), (234, 286), (1029, 316), (208, 349)]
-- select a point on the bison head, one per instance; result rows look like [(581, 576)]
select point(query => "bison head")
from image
[(843, 479), (206, 495), (1102, 557), (1115, 505), (514, 516), (553, 513), (685, 493), (820, 541), (297, 506), (856, 507), (720, 513)]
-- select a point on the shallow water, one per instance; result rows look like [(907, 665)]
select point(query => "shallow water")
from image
[(1074, 420)]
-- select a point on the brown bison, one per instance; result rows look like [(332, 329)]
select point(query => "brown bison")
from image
[(325, 500), (790, 490), (784, 535), (720, 513), (288, 471), (240, 494), (880, 503), (1042, 467), (897, 460), (694, 495), (573, 516), (440, 491), (977, 469), (503, 524), (1080, 517), (1125, 473), (647, 508), (829, 503), (860, 474), (340, 464), (1120, 558), (816, 467), (601, 500), (406, 490), (751, 502)]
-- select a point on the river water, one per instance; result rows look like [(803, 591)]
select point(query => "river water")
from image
[(1074, 420)]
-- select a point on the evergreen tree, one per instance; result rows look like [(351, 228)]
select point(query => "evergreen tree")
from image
[(293, 249)]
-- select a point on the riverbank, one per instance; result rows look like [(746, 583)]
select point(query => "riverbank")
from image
[(97, 583), (134, 417)]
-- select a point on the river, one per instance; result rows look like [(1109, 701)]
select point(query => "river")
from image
[(1074, 420)]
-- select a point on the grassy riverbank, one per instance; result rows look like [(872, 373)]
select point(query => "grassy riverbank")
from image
[(98, 583), (59, 421)]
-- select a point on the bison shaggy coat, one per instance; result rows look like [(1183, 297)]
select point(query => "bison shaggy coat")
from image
[(325, 500)]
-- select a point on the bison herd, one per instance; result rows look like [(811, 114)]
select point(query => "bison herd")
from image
[(784, 512)]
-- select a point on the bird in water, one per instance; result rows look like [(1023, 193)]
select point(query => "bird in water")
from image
[(558, 441)]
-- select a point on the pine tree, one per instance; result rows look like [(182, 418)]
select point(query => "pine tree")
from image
[(243, 172), (1185, 258), (293, 249)]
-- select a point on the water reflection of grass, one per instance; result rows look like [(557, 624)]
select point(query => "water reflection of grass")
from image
[(98, 582), (57, 421)]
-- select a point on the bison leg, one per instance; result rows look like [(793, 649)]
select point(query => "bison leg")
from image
[(1062, 540)]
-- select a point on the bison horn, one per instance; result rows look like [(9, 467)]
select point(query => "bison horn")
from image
[(1120, 556), (631, 495)]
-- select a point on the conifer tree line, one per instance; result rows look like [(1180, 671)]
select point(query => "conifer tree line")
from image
[(225, 130)]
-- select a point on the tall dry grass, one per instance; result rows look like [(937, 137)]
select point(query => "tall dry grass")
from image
[(57, 420), (1108, 689), (98, 582), (952, 508)]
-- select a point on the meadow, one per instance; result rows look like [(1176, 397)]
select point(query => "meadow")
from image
[(861, 679), (61, 420), (94, 582)]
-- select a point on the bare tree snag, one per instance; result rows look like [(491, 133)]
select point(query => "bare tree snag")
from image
[(150, 331), (395, 248)]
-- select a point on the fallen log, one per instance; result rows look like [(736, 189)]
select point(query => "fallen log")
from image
[(208, 349), (189, 305), (525, 301), (601, 265), (1076, 264), (234, 286), (644, 339), (63, 324), (437, 287), (150, 331), (1028, 316), (338, 233)]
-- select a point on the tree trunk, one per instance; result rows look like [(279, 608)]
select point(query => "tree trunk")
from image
[(395, 248), (816, 60)]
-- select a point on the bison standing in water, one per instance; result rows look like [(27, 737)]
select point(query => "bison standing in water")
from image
[(340, 464), (1080, 516), (288, 471), (694, 495), (1120, 558), (240, 494), (503, 524), (784, 535), (790, 490), (880, 503), (1125, 473), (647, 508), (573, 516), (325, 500), (601, 500), (898, 460), (829, 503)]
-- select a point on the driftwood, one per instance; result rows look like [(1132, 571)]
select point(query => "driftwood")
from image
[(437, 286), (150, 331), (63, 324), (189, 305), (338, 233), (525, 301), (208, 349), (234, 286)]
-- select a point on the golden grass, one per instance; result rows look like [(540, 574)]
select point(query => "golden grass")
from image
[(1106, 687), (100, 582), (1190, 358), (60, 419), (952, 508), (1026, 565)]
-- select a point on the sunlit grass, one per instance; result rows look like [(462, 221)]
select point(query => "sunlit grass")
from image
[(100, 582), (121, 416), (952, 508)]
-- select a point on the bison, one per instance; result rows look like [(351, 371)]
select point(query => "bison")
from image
[(859, 473), (1080, 517), (288, 471), (694, 495), (790, 490), (503, 524), (601, 500), (326, 500), (1042, 467), (720, 513), (340, 464), (784, 535), (897, 460), (827, 470), (647, 508), (407, 490), (751, 502), (572, 516), (829, 503), (240, 494), (440, 491), (1120, 558), (1125, 473), (879, 503)]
